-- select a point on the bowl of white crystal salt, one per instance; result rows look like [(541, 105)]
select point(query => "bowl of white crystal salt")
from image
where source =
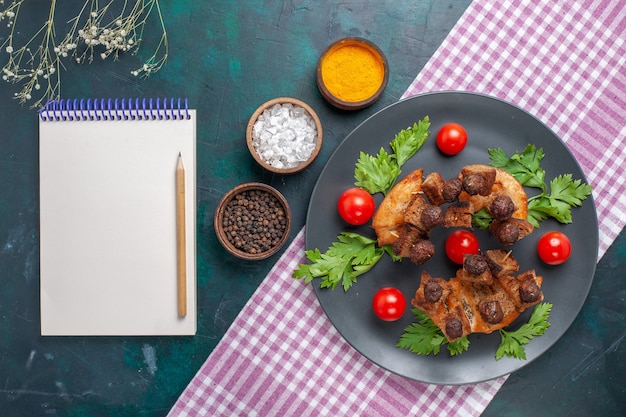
[(284, 135)]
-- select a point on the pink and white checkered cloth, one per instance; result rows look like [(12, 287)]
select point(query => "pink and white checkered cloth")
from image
[(564, 62)]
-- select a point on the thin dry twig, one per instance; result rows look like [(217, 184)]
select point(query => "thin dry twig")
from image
[(36, 63)]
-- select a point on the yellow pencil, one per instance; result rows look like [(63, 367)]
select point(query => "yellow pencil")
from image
[(180, 238)]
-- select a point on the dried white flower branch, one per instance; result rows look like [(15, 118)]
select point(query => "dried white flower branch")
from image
[(90, 34)]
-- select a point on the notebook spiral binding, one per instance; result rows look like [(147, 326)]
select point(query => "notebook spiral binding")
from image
[(115, 109)]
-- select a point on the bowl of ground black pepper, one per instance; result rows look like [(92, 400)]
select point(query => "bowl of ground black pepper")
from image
[(252, 221), (352, 73), (284, 135)]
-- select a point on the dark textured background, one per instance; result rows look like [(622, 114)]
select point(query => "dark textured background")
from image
[(228, 57)]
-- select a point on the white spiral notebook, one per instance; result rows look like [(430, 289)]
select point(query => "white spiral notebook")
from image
[(117, 217)]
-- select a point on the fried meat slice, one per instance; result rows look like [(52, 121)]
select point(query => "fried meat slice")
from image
[(465, 304), (475, 270), (431, 295), (501, 262), (488, 307), (412, 243), (510, 231), (433, 188), (478, 179), (421, 214), (441, 300), (458, 214), (503, 184), (389, 217), (524, 289)]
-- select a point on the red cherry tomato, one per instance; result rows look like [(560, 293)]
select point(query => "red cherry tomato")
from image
[(451, 138), (459, 243), (554, 248), (389, 304), (356, 206)]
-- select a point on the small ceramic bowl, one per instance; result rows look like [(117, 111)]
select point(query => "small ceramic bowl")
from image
[(277, 160), (352, 73), (253, 221)]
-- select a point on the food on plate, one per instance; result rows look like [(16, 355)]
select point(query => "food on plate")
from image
[(512, 341), (346, 259), (433, 186), (425, 338), (503, 184), (478, 179), (356, 206), (556, 197), (510, 231), (411, 244), (484, 296), (475, 269), (420, 218), (389, 217), (501, 263), (451, 138), (554, 248), (378, 173), (389, 304), (458, 214), (487, 292), (416, 205)]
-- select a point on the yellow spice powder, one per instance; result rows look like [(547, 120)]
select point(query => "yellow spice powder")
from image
[(352, 72)]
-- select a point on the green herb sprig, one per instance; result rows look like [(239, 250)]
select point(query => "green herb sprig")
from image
[(425, 338), (512, 344), (555, 199), (352, 255), (377, 174)]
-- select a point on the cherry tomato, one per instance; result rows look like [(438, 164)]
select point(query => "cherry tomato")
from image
[(459, 243), (389, 304), (554, 248), (356, 206), (451, 138)]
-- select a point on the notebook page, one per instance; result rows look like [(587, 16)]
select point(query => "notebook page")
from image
[(108, 226)]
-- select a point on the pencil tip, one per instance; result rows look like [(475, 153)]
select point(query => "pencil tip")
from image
[(179, 154)]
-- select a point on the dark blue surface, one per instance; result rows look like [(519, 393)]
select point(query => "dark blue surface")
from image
[(228, 57)]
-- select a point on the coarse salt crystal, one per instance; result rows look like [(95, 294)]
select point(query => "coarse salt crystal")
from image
[(284, 136)]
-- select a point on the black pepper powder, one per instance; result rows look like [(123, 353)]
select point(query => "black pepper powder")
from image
[(254, 221)]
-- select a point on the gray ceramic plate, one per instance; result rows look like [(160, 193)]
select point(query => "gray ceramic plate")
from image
[(490, 123)]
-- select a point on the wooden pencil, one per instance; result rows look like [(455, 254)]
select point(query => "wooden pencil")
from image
[(181, 250)]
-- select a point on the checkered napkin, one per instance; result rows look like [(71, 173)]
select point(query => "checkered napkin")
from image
[(561, 61)]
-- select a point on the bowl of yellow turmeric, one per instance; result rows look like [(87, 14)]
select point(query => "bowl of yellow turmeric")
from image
[(352, 73)]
